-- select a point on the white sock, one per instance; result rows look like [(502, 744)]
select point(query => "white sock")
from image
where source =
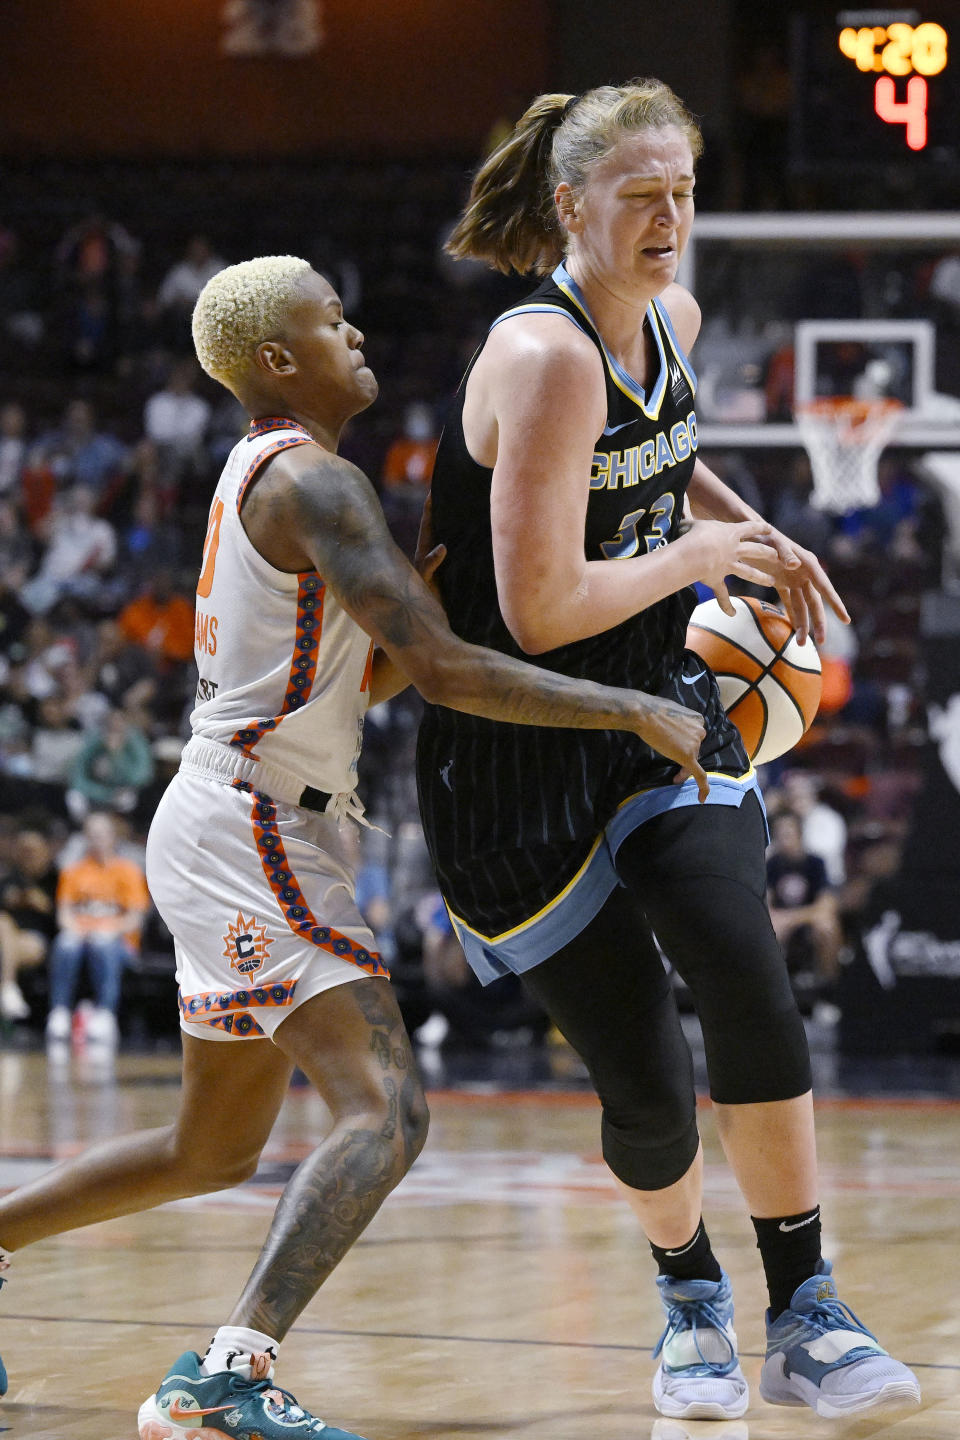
[(231, 1348)]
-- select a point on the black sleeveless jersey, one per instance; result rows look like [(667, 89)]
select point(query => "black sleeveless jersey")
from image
[(510, 811)]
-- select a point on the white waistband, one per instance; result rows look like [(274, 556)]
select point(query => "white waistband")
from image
[(216, 761)]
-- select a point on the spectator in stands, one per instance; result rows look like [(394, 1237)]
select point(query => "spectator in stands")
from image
[(734, 471), (88, 252), (408, 463), (494, 1016), (149, 542), (27, 917), (16, 730), (124, 673), (113, 766), (180, 287), (779, 373), (160, 619), (13, 448), (102, 902), (79, 556), (175, 420), (46, 650), (407, 470), (80, 453), (803, 910), (90, 337), (56, 742), (18, 553), (890, 527), (38, 490), (792, 511), (824, 828), (14, 619), (228, 424)]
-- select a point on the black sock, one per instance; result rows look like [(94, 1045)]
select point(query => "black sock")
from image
[(693, 1261), (789, 1247)]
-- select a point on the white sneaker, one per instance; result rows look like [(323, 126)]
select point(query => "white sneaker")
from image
[(102, 1027), (58, 1023), (699, 1376), (12, 1004)]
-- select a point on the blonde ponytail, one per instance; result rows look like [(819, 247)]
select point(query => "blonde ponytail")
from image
[(510, 221)]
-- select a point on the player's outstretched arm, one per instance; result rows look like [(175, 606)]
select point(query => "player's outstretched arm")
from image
[(332, 509)]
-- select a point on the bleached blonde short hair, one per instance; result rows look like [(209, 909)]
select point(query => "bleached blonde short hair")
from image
[(242, 306)]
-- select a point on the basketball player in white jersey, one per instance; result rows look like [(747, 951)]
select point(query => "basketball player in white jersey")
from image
[(300, 582)]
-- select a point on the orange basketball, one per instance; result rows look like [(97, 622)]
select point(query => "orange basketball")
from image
[(769, 682)]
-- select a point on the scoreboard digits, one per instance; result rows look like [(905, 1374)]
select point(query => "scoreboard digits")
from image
[(875, 88), (899, 49)]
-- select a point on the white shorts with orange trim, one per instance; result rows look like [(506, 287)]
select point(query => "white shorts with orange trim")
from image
[(259, 898)]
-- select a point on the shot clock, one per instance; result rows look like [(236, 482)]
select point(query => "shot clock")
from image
[(876, 88)]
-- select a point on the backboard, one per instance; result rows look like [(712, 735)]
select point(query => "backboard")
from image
[(800, 304)]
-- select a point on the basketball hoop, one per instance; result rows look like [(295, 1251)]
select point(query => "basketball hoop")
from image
[(844, 438)]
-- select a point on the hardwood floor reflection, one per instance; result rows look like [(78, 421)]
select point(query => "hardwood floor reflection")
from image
[(502, 1291)]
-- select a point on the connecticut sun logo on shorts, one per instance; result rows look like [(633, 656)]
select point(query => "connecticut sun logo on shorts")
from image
[(246, 945)]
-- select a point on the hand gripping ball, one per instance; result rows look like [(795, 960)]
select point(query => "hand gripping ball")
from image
[(769, 682)]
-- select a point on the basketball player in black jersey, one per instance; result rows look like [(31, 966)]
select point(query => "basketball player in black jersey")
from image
[(576, 517)]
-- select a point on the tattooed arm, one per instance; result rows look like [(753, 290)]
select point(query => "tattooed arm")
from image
[(387, 679), (312, 509)]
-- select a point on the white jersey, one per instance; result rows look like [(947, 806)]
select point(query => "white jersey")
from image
[(284, 671)]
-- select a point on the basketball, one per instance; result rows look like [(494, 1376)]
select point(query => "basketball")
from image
[(769, 682)]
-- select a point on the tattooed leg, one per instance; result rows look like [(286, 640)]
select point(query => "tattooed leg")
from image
[(351, 1044)]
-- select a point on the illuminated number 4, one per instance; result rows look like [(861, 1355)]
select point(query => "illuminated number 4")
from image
[(911, 112), (627, 540)]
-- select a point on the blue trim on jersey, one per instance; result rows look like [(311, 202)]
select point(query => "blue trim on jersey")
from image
[(527, 945), (622, 378), (724, 790), (683, 359), (538, 310)]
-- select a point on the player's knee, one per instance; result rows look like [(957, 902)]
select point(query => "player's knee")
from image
[(650, 1154), (760, 1063), (393, 1114), (402, 1121), (212, 1165)]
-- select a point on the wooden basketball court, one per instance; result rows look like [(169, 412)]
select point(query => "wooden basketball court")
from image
[(503, 1290)]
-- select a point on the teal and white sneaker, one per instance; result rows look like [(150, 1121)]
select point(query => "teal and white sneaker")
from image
[(699, 1376), (819, 1354), (228, 1406)]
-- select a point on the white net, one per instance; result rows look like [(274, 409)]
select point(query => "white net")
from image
[(844, 438)]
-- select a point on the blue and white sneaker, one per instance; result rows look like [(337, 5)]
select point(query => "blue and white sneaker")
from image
[(699, 1376), (229, 1405), (819, 1354)]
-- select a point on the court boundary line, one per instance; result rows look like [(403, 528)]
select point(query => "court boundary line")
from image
[(408, 1335)]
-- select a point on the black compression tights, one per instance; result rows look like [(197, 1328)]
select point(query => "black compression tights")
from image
[(695, 876)]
